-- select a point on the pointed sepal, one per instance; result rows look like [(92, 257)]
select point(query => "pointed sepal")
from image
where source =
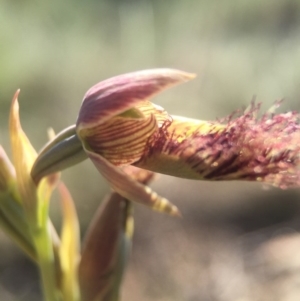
[(69, 251)]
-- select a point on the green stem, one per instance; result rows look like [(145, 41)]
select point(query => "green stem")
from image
[(46, 262)]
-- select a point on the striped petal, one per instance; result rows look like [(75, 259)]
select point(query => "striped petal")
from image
[(121, 140)]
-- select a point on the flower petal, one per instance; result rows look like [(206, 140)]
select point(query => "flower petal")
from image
[(118, 94), (7, 173), (35, 199), (120, 140), (129, 188), (23, 156), (69, 248), (62, 151)]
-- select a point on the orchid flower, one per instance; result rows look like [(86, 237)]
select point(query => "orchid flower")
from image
[(118, 126)]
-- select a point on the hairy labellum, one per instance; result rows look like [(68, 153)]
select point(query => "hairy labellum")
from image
[(244, 148)]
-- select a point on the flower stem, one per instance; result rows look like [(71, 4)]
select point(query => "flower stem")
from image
[(46, 262)]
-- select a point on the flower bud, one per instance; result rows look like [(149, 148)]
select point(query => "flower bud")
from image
[(108, 244), (105, 251)]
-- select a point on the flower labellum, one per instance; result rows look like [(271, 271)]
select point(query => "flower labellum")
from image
[(245, 147)]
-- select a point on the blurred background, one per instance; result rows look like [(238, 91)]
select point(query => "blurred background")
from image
[(236, 241)]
